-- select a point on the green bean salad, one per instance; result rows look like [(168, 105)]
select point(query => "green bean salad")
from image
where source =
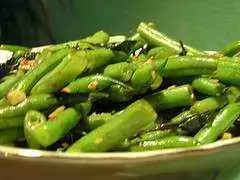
[(107, 93)]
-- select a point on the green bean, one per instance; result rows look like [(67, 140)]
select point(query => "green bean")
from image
[(64, 73), (24, 85), (209, 104), (11, 122), (119, 93), (161, 52), (231, 49), (119, 56), (228, 72), (220, 124), (98, 58), (144, 77), (84, 108), (181, 117), (122, 71), (165, 143), (99, 38), (10, 135), (208, 86), (7, 85), (172, 97), (90, 83), (13, 48), (32, 120), (36, 102), (189, 66), (111, 134), (233, 94), (154, 37), (147, 136), (96, 120), (50, 131), (205, 135), (156, 135), (191, 124), (226, 117)]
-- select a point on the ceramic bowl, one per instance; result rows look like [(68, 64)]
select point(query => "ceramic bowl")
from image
[(207, 162)]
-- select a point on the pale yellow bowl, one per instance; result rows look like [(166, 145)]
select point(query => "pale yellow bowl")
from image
[(205, 162)]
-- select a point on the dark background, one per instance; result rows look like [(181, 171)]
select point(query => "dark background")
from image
[(203, 24)]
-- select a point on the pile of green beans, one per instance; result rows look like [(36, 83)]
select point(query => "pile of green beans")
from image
[(108, 93)]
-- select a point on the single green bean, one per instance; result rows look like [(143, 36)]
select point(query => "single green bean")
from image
[(228, 72), (231, 49), (96, 120), (111, 134), (97, 58), (156, 135), (50, 131), (99, 38), (147, 136), (155, 37), (122, 71), (189, 66), (208, 86), (13, 48), (144, 77), (165, 143), (36, 102), (161, 52), (220, 124), (32, 120), (181, 117), (196, 114), (11, 122), (90, 83), (172, 97), (209, 104), (119, 93), (205, 135), (10, 135)]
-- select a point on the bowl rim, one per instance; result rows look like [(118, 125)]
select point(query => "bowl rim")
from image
[(118, 157)]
